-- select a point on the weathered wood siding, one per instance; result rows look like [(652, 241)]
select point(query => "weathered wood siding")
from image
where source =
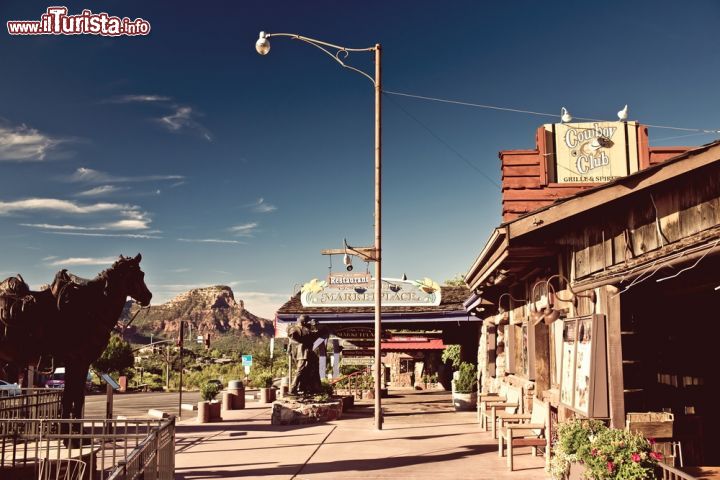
[(645, 223), (527, 175)]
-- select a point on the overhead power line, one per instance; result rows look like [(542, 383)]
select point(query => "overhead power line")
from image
[(531, 112), (447, 145)]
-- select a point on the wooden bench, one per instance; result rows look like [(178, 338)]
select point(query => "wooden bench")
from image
[(491, 410), (530, 431), (485, 398)]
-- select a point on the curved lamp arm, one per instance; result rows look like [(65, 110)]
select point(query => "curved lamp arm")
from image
[(507, 294), (574, 294), (263, 48)]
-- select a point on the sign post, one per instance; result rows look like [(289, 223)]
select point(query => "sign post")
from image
[(247, 361)]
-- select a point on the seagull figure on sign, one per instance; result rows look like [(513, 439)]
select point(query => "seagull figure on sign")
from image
[(565, 116), (623, 114)]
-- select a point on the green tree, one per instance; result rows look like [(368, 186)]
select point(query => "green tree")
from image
[(451, 354), (117, 357)]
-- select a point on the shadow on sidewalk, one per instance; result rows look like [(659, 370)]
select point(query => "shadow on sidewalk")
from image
[(360, 465)]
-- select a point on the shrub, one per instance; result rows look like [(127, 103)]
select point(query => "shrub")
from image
[(263, 380), (452, 354), (466, 381), (620, 454), (608, 453), (209, 391)]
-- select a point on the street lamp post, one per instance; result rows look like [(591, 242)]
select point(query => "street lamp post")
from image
[(372, 254)]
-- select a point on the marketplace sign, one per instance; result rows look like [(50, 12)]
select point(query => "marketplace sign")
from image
[(594, 152), (395, 293)]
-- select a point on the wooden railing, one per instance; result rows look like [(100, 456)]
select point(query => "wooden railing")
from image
[(352, 382), (666, 472)]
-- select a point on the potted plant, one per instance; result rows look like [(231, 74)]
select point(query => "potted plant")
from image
[(264, 381), (589, 449), (209, 408), (464, 391)]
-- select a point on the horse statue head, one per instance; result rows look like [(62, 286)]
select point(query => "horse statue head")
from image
[(132, 279)]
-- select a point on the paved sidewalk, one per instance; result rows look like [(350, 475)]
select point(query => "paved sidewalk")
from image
[(422, 438)]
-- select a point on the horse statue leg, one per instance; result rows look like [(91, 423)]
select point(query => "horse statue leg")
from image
[(74, 397)]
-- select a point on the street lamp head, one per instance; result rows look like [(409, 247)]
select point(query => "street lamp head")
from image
[(263, 44)]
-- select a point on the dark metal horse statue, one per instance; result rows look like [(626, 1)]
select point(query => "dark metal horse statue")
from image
[(70, 321)]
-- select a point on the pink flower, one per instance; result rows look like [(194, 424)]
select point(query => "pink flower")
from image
[(610, 467), (594, 452), (656, 455), (652, 441), (636, 457)]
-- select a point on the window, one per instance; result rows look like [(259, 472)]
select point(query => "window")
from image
[(407, 365)]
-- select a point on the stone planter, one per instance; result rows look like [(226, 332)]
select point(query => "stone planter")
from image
[(292, 412), (267, 395), (577, 470), (464, 402), (209, 411), (347, 402), (215, 411)]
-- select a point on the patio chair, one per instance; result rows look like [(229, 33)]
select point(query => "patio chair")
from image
[(61, 469)]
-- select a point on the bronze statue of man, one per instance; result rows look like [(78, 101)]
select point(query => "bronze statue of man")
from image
[(302, 338)]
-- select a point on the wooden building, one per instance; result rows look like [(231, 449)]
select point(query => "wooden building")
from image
[(602, 298)]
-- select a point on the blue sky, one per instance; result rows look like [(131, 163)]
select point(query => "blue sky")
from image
[(224, 167)]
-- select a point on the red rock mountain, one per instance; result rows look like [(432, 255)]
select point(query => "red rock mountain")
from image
[(207, 310)]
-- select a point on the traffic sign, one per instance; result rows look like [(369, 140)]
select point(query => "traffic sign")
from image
[(247, 360)]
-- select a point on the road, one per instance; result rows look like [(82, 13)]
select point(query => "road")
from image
[(136, 405)]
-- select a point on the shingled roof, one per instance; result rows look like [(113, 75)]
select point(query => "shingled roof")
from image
[(451, 300)]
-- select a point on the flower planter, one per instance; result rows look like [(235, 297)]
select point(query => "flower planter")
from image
[(576, 472), (464, 402)]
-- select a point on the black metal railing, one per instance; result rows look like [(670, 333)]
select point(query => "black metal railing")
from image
[(117, 449), (32, 403)]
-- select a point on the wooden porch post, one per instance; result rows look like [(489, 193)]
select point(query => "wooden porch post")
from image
[(609, 304)]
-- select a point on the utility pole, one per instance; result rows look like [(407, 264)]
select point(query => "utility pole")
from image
[(180, 342)]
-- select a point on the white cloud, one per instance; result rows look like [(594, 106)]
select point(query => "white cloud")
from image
[(57, 205), (24, 144), (138, 99), (260, 206), (101, 190), (210, 240), (179, 118), (50, 226), (244, 230), (88, 175), (141, 236), (128, 224), (75, 261), (183, 118)]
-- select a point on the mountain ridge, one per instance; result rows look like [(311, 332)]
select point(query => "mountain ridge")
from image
[(210, 309)]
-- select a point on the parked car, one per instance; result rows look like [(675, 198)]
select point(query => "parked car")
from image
[(57, 379), (8, 389)]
